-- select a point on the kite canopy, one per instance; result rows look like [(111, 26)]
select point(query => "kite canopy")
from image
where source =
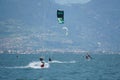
[(60, 16)]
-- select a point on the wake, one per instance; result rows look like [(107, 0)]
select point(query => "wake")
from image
[(32, 65), (36, 64), (56, 61)]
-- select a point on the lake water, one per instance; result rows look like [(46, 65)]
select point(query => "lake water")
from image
[(67, 66)]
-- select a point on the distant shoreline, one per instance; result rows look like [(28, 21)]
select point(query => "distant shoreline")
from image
[(77, 51)]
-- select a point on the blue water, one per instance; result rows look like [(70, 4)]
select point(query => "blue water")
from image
[(64, 67)]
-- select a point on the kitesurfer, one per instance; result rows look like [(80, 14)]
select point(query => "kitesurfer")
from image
[(88, 56), (42, 62)]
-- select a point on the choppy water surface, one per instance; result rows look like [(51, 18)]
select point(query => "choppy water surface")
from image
[(63, 67)]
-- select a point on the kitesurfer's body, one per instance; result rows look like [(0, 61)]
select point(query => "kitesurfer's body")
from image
[(42, 64)]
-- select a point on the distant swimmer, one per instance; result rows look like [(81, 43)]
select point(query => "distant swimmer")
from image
[(17, 56), (50, 59), (88, 56)]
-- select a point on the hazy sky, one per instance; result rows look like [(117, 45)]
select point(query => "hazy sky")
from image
[(88, 23)]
